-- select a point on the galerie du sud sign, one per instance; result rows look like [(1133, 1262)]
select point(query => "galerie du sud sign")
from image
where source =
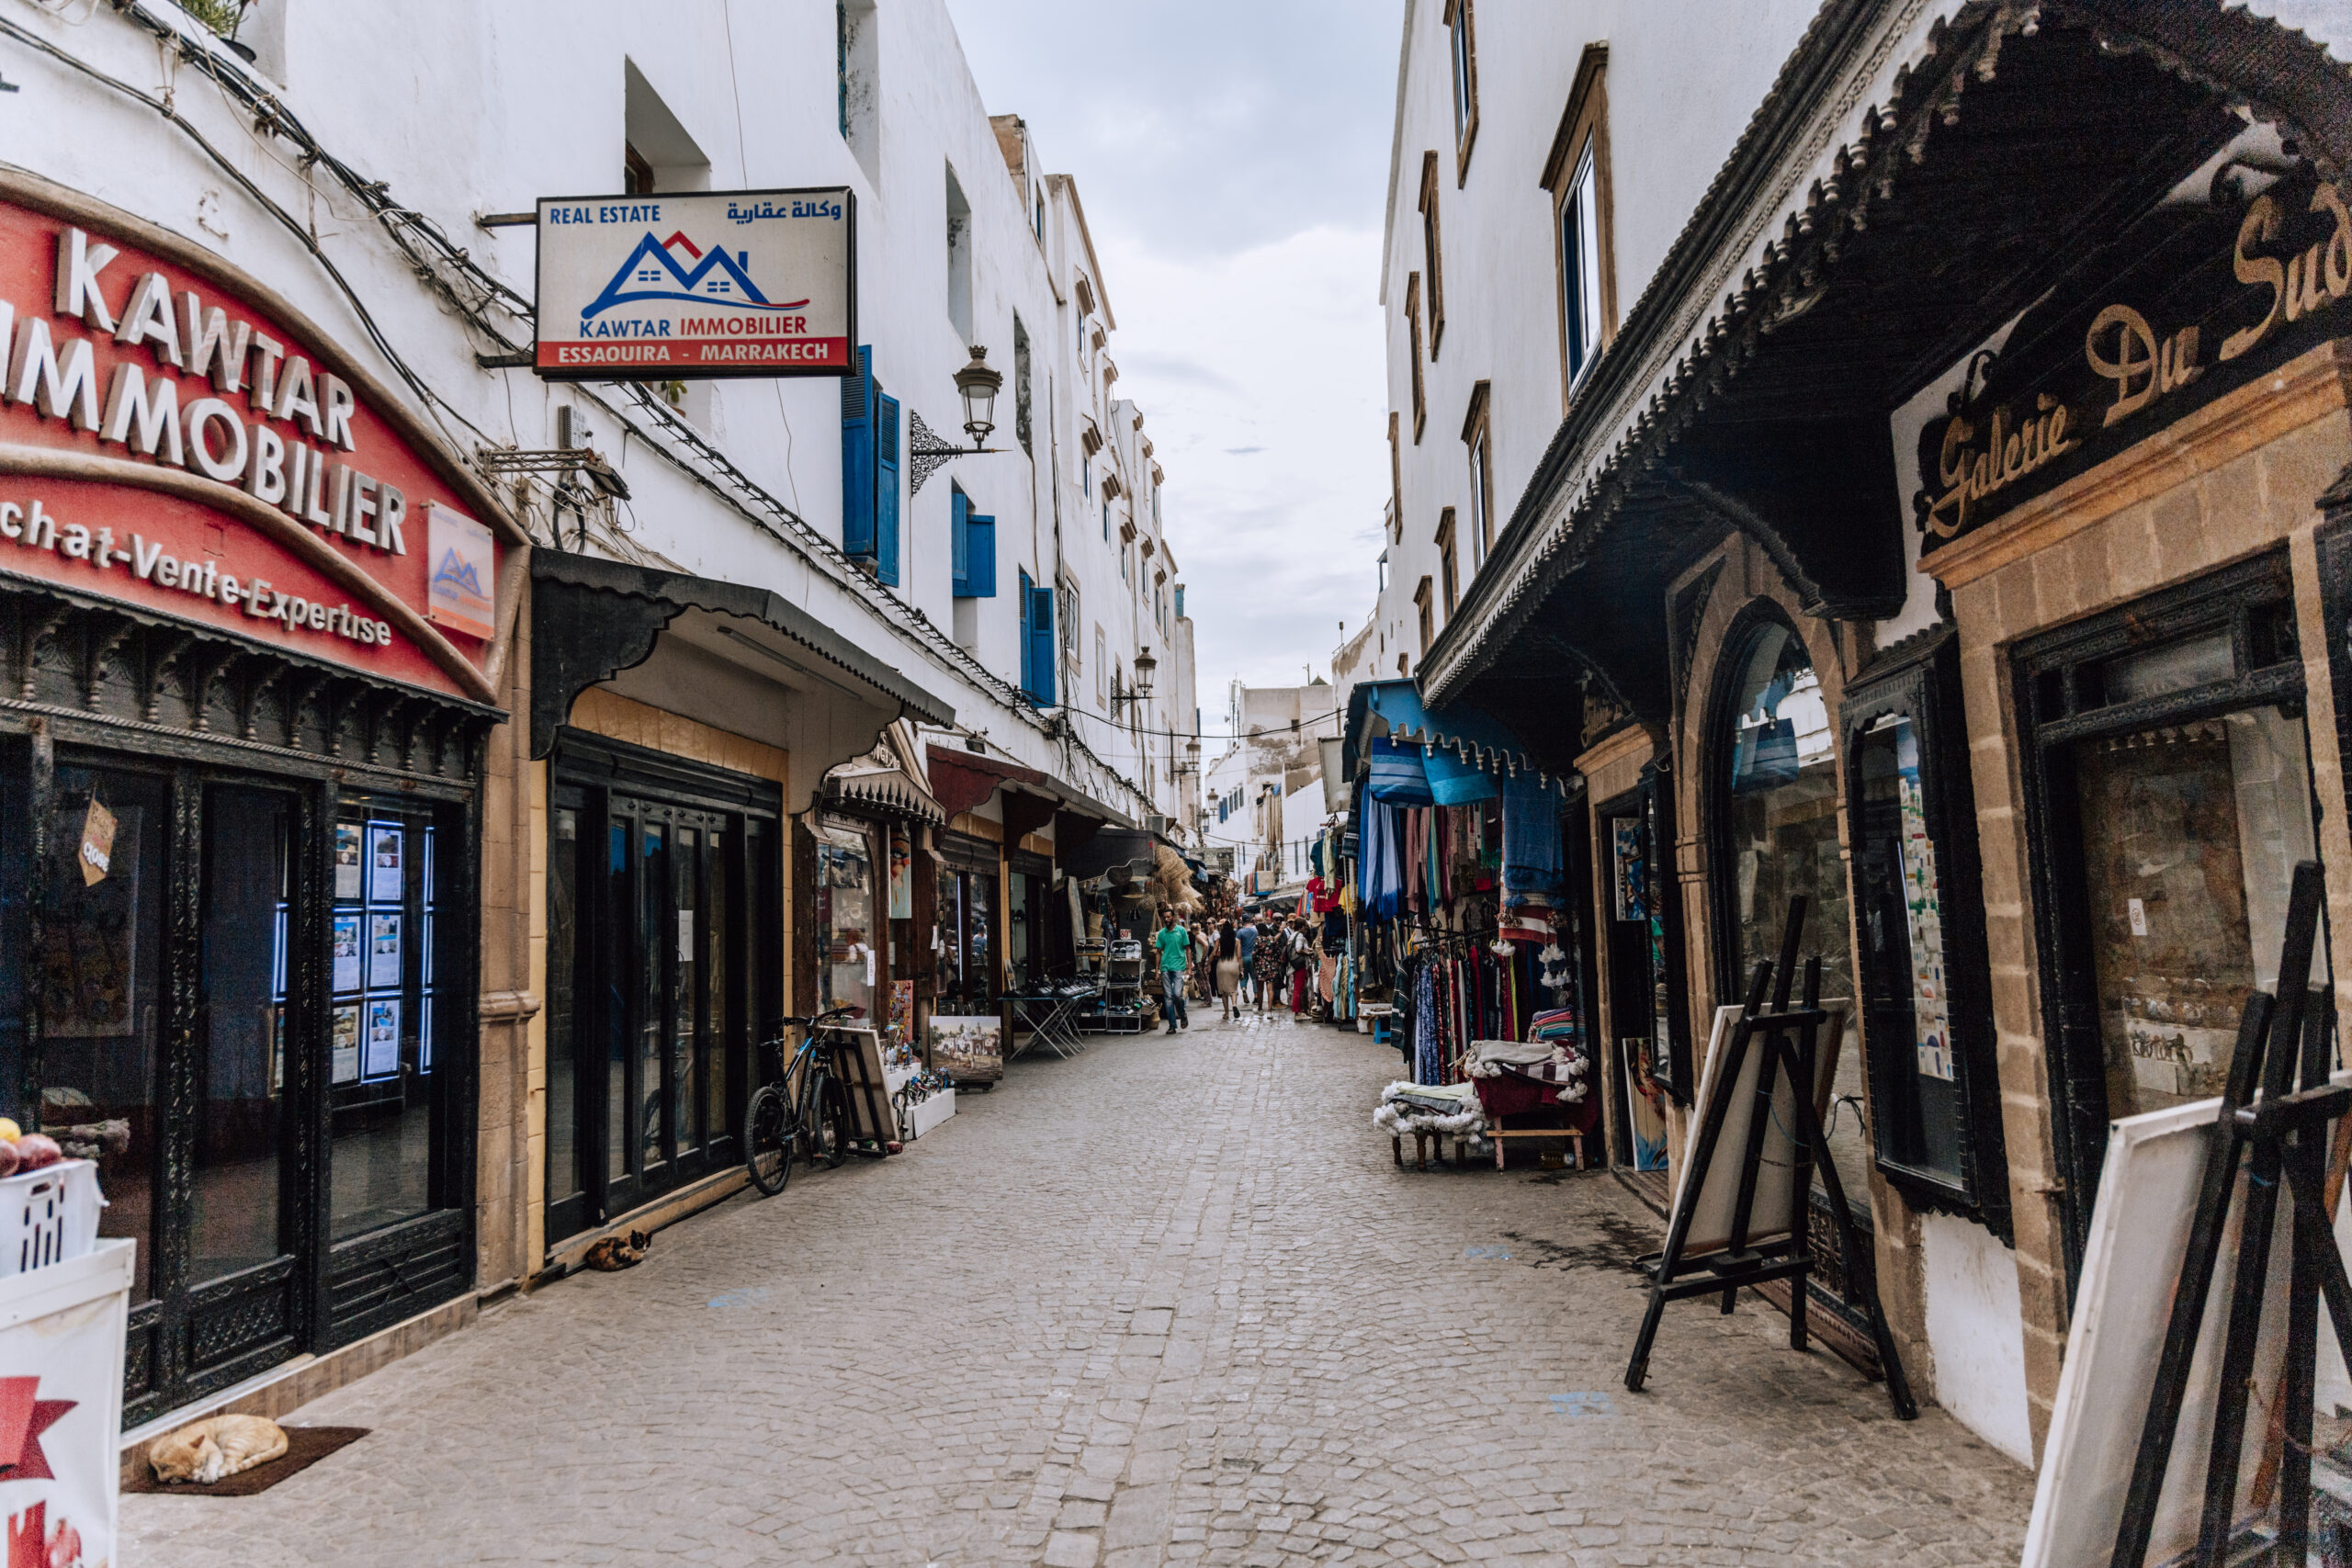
[(697, 284)]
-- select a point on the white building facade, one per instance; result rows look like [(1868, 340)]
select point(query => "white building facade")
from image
[(737, 625)]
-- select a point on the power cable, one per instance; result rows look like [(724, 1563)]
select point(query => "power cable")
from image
[(433, 255)]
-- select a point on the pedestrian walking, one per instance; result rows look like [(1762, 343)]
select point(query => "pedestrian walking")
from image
[(1249, 936), (1228, 967), (1271, 965), (1174, 944)]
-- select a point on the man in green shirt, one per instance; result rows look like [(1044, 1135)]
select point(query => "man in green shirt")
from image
[(1174, 944)]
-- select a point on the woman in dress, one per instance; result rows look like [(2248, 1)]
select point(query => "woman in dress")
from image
[(1272, 966), (1228, 966)]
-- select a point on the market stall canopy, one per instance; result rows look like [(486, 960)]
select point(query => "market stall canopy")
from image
[(1461, 739), (738, 659)]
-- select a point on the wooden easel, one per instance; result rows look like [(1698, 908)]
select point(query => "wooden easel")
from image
[(2287, 1131), (1790, 1044)]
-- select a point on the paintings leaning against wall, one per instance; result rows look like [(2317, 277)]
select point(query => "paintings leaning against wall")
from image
[(969, 1048)]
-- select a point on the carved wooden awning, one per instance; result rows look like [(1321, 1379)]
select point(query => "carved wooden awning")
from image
[(1915, 177)]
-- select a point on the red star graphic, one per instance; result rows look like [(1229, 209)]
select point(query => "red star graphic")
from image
[(23, 1418)]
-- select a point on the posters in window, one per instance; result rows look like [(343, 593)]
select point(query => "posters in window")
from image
[(1931, 1011), (383, 950), (343, 1058), (383, 1038), (350, 861), (384, 865), (346, 948), (1630, 895)]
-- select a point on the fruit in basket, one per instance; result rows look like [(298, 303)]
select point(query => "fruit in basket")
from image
[(10, 1131), (8, 1159), (35, 1150)]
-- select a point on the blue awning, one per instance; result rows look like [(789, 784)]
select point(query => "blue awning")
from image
[(1458, 738)]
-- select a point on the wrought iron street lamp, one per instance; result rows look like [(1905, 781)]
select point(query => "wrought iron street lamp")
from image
[(978, 384)]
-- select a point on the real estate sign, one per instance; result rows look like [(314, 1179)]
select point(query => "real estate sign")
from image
[(698, 284)]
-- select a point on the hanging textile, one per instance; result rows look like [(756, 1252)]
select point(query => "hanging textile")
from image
[(1426, 1067), (1399, 776), (1531, 840), (1454, 781)]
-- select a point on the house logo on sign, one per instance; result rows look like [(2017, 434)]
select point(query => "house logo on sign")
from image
[(460, 594), (653, 272)]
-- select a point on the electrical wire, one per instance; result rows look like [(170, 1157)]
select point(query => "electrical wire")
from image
[(443, 265)]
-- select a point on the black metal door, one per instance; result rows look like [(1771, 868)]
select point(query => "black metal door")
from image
[(163, 924)]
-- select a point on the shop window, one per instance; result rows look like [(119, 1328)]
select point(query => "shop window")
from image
[(2169, 798), (1577, 174), (663, 931), (965, 941), (1927, 1009), (99, 965), (1640, 944), (386, 995), (1773, 799), (845, 930)]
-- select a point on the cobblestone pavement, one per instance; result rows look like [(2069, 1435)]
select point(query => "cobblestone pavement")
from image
[(1167, 1302)]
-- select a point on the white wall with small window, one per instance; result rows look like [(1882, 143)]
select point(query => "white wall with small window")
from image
[(1562, 147)]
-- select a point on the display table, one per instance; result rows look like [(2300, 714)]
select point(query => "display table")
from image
[(61, 1405)]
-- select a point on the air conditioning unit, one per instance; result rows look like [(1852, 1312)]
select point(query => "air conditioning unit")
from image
[(1158, 825)]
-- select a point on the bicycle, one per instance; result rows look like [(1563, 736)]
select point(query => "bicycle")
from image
[(779, 1125)]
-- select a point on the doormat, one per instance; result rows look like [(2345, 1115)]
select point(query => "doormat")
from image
[(305, 1446)]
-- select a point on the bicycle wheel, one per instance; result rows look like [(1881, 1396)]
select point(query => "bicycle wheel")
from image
[(829, 1116), (768, 1139)]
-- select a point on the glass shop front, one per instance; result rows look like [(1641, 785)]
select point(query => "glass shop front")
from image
[(242, 759), (664, 935)]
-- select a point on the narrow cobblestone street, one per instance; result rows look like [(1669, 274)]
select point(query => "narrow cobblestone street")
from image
[(1167, 1302)]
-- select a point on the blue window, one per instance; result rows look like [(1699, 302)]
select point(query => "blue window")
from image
[(870, 470), (1036, 642), (972, 542)]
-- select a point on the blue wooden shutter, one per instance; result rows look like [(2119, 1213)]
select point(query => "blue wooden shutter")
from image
[(1041, 641), (857, 456), (959, 542), (979, 559), (885, 488), (1028, 642)]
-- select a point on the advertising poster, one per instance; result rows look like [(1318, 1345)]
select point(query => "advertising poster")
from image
[(902, 878), (346, 947), (383, 950), (350, 861), (384, 865), (344, 1050), (968, 1048), (383, 1047), (902, 1009), (60, 1388), (701, 284)]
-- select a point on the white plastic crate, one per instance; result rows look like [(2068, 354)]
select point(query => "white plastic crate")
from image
[(47, 1215)]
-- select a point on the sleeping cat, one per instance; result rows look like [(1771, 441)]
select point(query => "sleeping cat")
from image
[(218, 1446)]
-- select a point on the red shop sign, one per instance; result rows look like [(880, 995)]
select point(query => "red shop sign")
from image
[(173, 436)]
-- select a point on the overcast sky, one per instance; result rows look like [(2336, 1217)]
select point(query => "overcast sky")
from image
[(1232, 155)]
